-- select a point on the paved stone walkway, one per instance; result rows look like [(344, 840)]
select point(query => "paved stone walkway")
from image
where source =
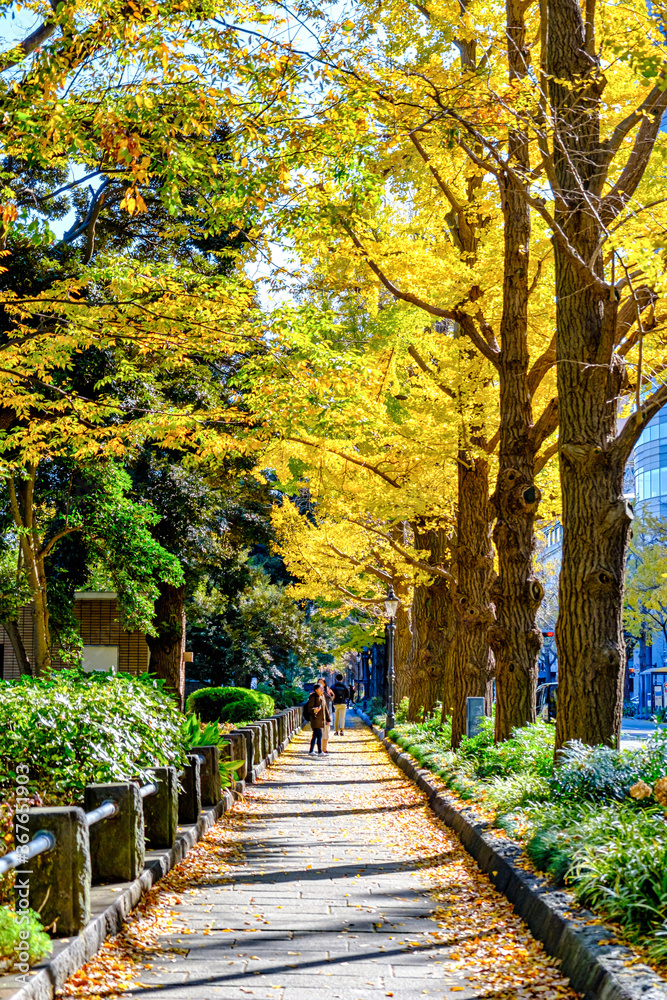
[(342, 884)]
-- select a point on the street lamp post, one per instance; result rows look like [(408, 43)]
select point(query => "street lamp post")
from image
[(391, 607)]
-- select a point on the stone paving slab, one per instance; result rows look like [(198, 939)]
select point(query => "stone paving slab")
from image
[(326, 902)]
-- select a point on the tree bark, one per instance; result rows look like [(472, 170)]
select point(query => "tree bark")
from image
[(167, 647), (21, 496), (12, 630), (432, 624), (514, 636), (596, 518), (472, 663)]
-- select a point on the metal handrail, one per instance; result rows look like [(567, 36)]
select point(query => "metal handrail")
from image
[(104, 811), (40, 844), (146, 790)]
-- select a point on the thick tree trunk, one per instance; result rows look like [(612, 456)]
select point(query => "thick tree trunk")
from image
[(596, 518), (472, 663), (402, 646), (167, 647), (432, 625), (515, 637), (16, 639)]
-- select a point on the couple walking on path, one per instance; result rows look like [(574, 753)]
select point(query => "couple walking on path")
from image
[(318, 711)]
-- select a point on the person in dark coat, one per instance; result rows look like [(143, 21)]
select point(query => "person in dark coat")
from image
[(318, 716)]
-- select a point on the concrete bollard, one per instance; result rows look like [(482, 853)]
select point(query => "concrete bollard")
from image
[(276, 732), (256, 743), (117, 844), (161, 810), (268, 736), (189, 799), (237, 750), (281, 719), (247, 734), (57, 883), (211, 792)]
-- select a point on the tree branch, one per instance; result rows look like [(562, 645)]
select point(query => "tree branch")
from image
[(545, 457), (31, 42), (455, 315), (416, 356), (349, 458), (545, 425), (56, 538), (541, 366), (633, 171), (634, 425)]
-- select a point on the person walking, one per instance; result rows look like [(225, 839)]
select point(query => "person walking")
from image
[(353, 691), (327, 694), (318, 716), (341, 694)]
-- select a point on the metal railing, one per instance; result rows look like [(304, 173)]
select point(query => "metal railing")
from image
[(40, 844), (44, 841), (104, 811)]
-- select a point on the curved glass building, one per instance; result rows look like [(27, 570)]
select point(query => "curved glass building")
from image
[(650, 468)]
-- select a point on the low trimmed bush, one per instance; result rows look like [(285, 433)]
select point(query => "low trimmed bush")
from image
[(230, 704)]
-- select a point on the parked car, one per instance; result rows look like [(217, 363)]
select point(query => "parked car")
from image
[(547, 701)]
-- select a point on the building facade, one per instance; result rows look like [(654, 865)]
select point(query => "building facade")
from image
[(106, 645)]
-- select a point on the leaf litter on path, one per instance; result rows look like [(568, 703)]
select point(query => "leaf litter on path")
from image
[(489, 945)]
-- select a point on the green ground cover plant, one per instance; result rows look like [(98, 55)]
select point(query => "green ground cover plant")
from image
[(73, 728), (37, 942), (230, 704), (595, 822)]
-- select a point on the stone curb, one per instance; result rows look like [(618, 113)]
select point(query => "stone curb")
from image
[(109, 914), (597, 970)]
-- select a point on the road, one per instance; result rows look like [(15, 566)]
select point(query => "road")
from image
[(635, 731)]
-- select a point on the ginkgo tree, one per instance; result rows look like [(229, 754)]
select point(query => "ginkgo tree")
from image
[(518, 151)]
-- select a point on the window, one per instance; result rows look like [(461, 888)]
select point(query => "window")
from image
[(655, 482), (100, 658)]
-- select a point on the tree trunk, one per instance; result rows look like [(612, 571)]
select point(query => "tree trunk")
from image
[(16, 639), (167, 647), (515, 637), (472, 663), (402, 646), (21, 496), (596, 518), (432, 625)]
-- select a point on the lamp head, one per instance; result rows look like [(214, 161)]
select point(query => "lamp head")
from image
[(391, 602)]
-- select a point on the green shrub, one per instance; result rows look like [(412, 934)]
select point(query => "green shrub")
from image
[(285, 695), (528, 750), (595, 773), (13, 943), (612, 855), (375, 708), (506, 793), (230, 704), (74, 728)]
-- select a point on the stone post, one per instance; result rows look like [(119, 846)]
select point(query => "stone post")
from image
[(57, 883), (247, 734), (117, 844), (237, 750), (209, 774), (189, 799), (161, 810)]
